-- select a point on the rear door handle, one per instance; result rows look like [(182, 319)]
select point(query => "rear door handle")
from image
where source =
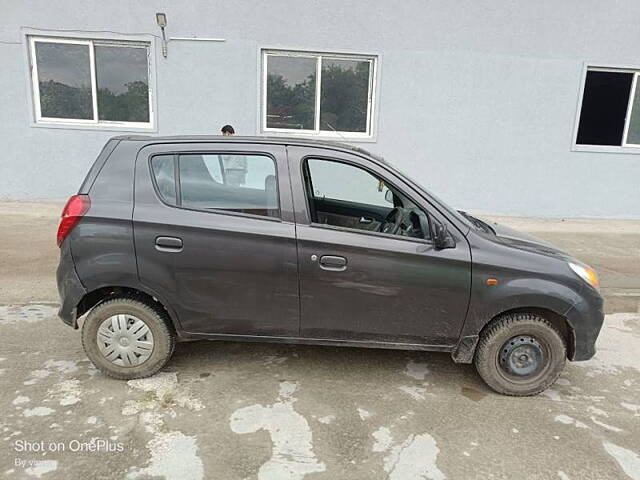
[(168, 244), (333, 263)]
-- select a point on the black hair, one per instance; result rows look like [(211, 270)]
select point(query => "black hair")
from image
[(228, 129)]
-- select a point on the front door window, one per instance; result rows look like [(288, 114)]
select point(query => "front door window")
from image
[(344, 195)]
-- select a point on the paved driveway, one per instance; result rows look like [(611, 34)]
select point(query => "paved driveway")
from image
[(241, 410)]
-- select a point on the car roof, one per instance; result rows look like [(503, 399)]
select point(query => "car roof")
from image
[(299, 141)]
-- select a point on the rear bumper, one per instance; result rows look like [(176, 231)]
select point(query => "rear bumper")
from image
[(586, 318), (70, 288)]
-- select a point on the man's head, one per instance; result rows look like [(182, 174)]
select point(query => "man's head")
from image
[(228, 130)]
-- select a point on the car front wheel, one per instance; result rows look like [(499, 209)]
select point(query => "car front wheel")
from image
[(126, 338), (520, 354)]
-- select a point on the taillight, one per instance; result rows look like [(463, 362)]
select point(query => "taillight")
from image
[(74, 210)]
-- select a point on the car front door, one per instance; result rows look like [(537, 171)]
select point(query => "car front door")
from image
[(358, 284), (215, 238)]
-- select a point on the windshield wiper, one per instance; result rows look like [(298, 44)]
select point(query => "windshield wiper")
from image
[(478, 223)]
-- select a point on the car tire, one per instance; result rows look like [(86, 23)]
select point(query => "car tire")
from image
[(520, 354), (128, 311)]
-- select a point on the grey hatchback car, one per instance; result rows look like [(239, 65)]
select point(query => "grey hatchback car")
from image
[(300, 241)]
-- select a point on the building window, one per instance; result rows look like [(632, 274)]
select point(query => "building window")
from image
[(317, 93), (610, 111), (91, 82)]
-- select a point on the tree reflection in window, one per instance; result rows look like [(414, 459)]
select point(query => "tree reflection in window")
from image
[(123, 90), (291, 92), (65, 80), (345, 92)]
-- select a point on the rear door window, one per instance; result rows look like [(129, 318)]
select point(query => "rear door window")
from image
[(229, 182)]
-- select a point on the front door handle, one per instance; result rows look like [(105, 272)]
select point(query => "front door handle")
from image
[(168, 244), (366, 220), (333, 263)]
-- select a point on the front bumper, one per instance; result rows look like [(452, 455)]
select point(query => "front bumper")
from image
[(70, 288), (586, 318)]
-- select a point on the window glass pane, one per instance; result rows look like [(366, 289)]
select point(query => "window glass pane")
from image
[(604, 108), (64, 80), (122, 77), (214, 165), (340, 181), (165, 177), (238, 183), (345, 93), (291, 92), (347, 196), (633, 136)]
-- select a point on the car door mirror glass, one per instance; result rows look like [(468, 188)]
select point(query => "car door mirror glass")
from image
[(440, 235), (388, 196)]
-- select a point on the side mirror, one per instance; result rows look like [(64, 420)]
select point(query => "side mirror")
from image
[(440, 235), (388, 196)]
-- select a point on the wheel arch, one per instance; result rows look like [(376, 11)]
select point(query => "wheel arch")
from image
[(465, 350), (100, 295)]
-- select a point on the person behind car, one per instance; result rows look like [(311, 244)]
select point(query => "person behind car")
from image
[(235, 166)]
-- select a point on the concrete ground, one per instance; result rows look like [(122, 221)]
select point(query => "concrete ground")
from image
[(236, 411)]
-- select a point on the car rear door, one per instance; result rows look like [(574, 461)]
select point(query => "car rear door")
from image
[(358, 285), (215, 237)]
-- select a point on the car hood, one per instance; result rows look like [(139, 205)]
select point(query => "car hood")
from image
[(523, 241)]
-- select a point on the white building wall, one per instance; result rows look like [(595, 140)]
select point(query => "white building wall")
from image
[(476, 99)]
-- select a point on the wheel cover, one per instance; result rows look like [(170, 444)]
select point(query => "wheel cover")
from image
[(522, 356), (125, 340)]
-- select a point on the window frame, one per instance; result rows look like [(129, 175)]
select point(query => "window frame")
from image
[(304, 166), (627, 121), (624, 147), (176, 172), (373, 60), (95, 122)]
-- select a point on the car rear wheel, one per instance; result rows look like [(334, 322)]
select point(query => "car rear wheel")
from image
[(520, 354), (126, 338)]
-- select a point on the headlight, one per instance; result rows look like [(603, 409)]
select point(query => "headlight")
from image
[(586, 273)]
